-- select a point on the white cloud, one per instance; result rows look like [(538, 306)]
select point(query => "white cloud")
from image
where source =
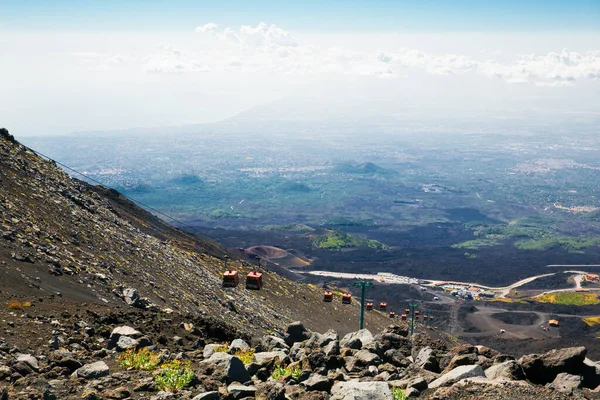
[(550, 70), (268, 48), (170, 60), (207, 28), (262, 36)]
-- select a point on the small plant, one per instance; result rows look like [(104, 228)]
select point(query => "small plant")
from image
[(280, 371), (142, 359), (173, 376), (26, 304), (15, 305), (398, 394), (247, 356)]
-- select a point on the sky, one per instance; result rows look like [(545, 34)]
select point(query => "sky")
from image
[(68, 66)]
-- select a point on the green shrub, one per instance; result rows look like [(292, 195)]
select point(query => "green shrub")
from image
[(398, 394), (247, 356), (280, 371), (142, 359), (173, 376)]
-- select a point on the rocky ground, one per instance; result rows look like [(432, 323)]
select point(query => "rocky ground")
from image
[(81, 357)]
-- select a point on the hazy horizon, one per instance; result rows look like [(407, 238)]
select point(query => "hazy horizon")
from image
[(99, 66)]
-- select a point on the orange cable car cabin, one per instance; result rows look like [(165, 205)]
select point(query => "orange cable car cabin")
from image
[(392, 314), (230, 278), (369, 306), (382, 306), (328, 296), (403, 316), (254, 280), (407, 311), (346, 298)]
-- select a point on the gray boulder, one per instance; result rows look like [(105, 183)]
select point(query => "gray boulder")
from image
[(543, 368), (507, 370), (296, 332), (233, 367), (318, 382), (332, 348), (458, 373), (270, 343), (238, 345), (566, 383), (120, 331), (126, 343), (207, 396), (131, 296), (237, 391), (94, 370), (366, 358), (427, 359), (30, 360), (209, 349), (354, 390), (328, 337), (267, 359), (364, 336)]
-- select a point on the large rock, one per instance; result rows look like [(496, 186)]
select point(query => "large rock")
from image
[(238, 345), (120, 331), (364, 336), (328, 337), (95, 370), (366, 358), (210, 349), (462, 359), (332, 348), (458, 373), (237, 391), (126, 343), (132, 297), (397, 358), (268, 358), (353, 390), (271, 343), (296, 332), (591, 374), (233, 367), (318, 382), (427, 359), (566, 383), (30, 360), (542, 369), (214, 395), (507, 370), (387, 340)]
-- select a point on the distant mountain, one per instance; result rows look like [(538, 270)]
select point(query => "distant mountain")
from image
[(367, 168)]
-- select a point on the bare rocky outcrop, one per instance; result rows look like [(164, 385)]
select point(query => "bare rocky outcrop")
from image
[(91, 367)]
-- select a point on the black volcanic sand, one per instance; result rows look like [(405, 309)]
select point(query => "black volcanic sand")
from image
[(516, 318), (423, 252), (556, 281)]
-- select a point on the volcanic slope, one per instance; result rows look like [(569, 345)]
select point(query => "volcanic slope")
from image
[(65, 241)]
